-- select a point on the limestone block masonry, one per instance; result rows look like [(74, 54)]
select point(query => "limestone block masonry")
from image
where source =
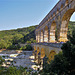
[(53, 28)]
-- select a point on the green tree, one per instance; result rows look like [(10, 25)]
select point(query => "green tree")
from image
[(14, 71), (69, 53), (1, 60), (26, 47)]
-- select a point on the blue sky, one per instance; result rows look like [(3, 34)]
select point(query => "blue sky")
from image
[(24, 13)]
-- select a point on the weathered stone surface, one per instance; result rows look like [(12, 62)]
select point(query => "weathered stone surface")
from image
[(56, 20)]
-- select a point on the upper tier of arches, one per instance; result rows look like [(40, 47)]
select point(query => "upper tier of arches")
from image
[(54, 26)]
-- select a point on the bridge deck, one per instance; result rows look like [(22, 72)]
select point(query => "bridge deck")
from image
[(58, 45)]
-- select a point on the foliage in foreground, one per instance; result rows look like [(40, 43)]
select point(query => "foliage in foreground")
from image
[(1, 60), (64, 62), (14, 71)]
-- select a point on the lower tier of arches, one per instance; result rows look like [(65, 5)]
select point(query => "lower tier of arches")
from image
[(40, 51)]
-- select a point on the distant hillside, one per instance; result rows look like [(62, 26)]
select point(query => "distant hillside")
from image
[(22, 35), (23, 31)]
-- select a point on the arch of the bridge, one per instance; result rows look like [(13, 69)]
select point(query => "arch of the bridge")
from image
[(52, 31), (34, 48), (46, 34), (66, 2), (38, 50), (38, 36), (42, 53), (64, 25), (42, 36), (51, 55)]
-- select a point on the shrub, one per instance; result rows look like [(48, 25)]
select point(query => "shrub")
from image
[(14, 47), (1, 60), (26, 47)]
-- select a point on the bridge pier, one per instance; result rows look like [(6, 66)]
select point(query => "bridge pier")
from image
[(35, 55), (39, 58)]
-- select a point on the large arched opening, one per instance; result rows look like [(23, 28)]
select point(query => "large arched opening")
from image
[(42, 53), (64, 25), (36, 37), (66, 2), (52, 32), (38, 50), (46, 34), (34, 48), (51, 55), (41, 36)]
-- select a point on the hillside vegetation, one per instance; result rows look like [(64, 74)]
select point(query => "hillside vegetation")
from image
[(71, 27), (10, 39)]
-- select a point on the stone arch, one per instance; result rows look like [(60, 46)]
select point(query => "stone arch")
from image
[(64, 25), (42, 53), (51, 55), (71, 0), (34, 48), (41, 36), (54, 14), (57, 11), (38, 50), (61, 6), (66, 2), (52, 31), (38, 36), (51, 16), (46, 34)]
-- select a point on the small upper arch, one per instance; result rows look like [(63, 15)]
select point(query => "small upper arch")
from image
[(38, 50), (66, 2), (34, 48), (46, 27)]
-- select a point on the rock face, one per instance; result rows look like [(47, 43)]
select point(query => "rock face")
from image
[(24, 59)]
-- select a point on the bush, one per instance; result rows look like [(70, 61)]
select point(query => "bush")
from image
[(26, 47), (1, 60), (14, 47)]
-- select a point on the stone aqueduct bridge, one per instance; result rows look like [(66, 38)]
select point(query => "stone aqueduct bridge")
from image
[(55, 21)]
